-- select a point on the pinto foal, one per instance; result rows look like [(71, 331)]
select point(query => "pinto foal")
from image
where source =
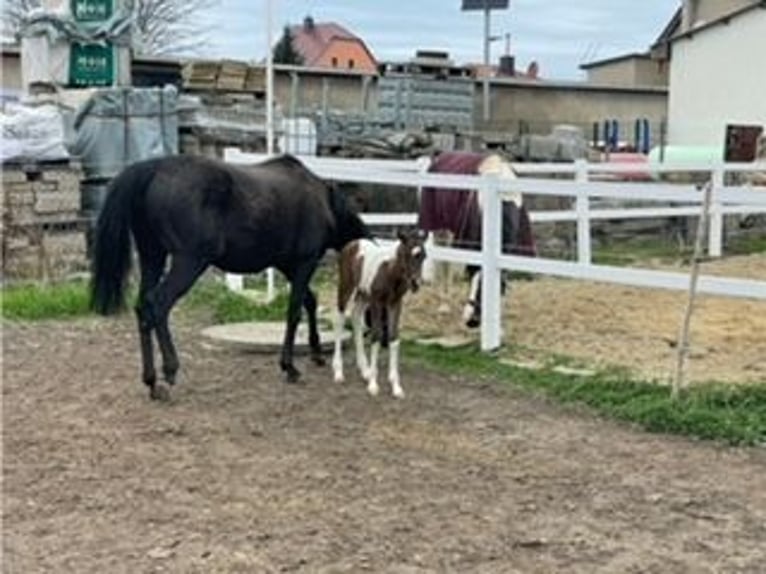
[(376, 277)]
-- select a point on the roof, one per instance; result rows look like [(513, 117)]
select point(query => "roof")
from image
[(311, 39), (615, 59), (670, 33)]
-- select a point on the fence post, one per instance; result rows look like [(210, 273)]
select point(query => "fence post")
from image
[(683, 338), (491, 312), (234, 281), (582, 207), (715, 231)]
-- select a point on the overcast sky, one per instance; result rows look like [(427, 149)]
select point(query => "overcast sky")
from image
[(558, 34)]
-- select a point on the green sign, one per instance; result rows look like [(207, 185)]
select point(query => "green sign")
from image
[(91, 65), (92, 10)]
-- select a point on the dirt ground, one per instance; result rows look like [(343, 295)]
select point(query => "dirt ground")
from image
[(603, 325), (242, 473)]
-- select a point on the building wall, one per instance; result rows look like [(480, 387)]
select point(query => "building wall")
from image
[(515, 105), (709, 10), (631, 72), (619, 73), (346, 55), (651, 73), (299, 91), (541, 106), (11, 72), (713, 81)]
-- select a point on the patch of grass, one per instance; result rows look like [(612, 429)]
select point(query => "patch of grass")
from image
[(734, 414), (34, 302), (746, 245), (632, 252), (227, 306), (68, 300)]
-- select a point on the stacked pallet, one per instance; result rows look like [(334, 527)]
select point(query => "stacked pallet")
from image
[(255, 80), (231, 76), (223, 76), (200, 75), (43, 235)]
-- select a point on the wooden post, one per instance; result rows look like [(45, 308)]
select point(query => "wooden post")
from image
[(715, 236), (582, 206), (491, 308), (683, 338)]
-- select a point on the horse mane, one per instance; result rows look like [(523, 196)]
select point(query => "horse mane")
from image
[(285, 158)]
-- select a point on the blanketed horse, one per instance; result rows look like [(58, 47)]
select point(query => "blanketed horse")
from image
[(459, 212), (201, 212), (375, 277)]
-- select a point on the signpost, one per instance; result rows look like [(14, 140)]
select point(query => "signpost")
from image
[(91, 65)]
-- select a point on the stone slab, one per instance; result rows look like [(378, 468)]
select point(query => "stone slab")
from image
[(266, 337), (447, 342)]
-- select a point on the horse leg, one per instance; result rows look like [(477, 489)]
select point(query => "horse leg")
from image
[(184, 271), (376, 311), (394, 312), (337, 357), (152, 263), (310, 304), (472, 308), (357, 322), (299, 281)]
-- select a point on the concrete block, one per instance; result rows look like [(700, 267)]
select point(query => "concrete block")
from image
[(56, 201), (13, 176)]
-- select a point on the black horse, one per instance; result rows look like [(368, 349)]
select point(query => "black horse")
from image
[(203, 212)]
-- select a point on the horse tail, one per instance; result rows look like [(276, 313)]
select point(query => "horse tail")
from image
[(111, 260)]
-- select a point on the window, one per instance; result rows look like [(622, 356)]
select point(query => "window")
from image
[(334, 62), (351, 64)]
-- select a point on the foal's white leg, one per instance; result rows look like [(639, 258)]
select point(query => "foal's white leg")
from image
[(372, 380), (393, 370), (337, 358), (357, 321), (428, 271), (472, 296)]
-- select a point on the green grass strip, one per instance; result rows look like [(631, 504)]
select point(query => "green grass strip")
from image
[(735, 414), (35, 302)]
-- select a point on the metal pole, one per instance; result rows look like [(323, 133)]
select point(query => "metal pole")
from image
[(269, 79), (269, 117), (486, 60), (486, 32)]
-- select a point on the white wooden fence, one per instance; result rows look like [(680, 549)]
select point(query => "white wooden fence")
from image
[(726, 200)]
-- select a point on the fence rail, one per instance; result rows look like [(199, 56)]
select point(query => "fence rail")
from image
[(494, 190)]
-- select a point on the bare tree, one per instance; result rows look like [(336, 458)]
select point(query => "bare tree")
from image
[(164, 27), (160, 27), (13, 13)]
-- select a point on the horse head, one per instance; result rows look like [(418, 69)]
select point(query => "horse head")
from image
[(411, 254)]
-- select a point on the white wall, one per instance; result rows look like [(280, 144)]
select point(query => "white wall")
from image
[(717, 77)]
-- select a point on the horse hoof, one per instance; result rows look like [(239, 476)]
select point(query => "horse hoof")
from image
[(159, 392), (292, 376)]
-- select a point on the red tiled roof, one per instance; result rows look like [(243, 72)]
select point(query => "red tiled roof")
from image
[(312, 41)]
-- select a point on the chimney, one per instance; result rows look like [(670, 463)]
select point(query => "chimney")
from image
[(507, 66), (308, 23)]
